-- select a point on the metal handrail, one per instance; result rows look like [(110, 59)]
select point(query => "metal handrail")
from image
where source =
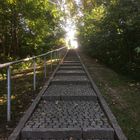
[(28, 59), (8, 66)]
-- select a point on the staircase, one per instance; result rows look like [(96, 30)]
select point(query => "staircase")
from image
[(69, 108)]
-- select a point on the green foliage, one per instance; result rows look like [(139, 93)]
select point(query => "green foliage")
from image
[(28, 27), (110, 31)]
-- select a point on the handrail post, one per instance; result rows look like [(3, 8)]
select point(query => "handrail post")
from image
[(8, 93), (34, 71), (53, 57), (60, 55), (51, 62), (57, 56), (45, 75)]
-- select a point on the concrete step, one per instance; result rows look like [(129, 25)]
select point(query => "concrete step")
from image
[(70, 92), (71, 61), (70, 80), (70, 72), (72, 57), (68, 138), (65, 119), (71, 67), (71, 64)]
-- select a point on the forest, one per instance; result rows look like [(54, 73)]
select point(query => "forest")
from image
[(27, 28), (107, 34), (110, 31), (106, 29)]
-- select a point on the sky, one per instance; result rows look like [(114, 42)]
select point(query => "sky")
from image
[(69, 24)]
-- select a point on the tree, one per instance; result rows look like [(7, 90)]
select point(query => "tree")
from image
[(110, 31), (27, 26)]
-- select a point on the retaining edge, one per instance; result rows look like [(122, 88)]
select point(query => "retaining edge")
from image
[(119, 135)]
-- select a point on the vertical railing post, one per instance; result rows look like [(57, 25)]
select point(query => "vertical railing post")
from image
[(55, 57), (45, 68), (34, 71), (51, 61), (8, 94), (58, 56)]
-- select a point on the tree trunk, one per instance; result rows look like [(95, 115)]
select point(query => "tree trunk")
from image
[(14, 33)]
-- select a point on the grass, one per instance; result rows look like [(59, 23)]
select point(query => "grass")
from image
[(121, 93), (22, 93)]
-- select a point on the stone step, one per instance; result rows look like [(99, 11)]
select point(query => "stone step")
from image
[(50, 133), (70, 72), (72, 57), (70, 80), (71, 61), (70, 92), (63, 119), (68, 138), (71, 64), (71, 67)]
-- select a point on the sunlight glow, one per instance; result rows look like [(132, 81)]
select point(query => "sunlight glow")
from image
[(74, 43), (68, 24), (71, 40)]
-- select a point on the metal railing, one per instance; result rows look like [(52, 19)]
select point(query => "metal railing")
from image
[(59, 54)]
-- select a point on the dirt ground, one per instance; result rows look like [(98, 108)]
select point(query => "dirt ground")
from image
[(121, 93)]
